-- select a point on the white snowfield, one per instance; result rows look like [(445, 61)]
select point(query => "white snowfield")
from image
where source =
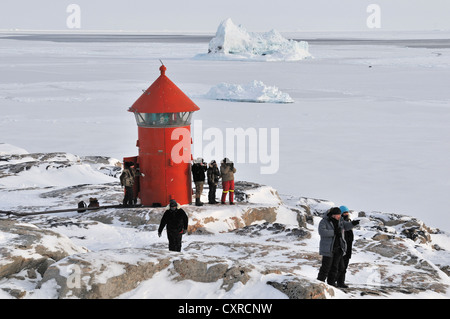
[(368, 127)]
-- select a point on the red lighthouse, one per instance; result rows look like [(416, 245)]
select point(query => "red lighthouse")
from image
[(163, 115)]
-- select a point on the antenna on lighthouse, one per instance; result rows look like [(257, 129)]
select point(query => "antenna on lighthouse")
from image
[(162, 68)]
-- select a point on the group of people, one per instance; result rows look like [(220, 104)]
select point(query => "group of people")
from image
[(335, 247), (213, 174), (335, 228), (175, 218)]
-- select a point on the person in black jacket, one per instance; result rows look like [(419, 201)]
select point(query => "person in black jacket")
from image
[(213, 174), (198, 172), (348, 236), (177, 223)]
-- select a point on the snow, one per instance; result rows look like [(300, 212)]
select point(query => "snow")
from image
[(255, 91), (235, 43), (44, 176), (108, 245), (6, 149), (370, 127), (161, 287), (364, 126)]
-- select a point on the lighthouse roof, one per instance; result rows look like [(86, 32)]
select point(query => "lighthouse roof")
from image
[(163, 96)]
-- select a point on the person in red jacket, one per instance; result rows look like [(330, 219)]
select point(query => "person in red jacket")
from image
[(227, 171)]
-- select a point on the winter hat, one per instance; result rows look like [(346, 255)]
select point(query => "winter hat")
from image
[(173, 203), (198, 160), (344, 209), (334, 211)]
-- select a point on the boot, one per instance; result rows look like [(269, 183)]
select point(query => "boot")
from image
[(198, 202), (341, 285)]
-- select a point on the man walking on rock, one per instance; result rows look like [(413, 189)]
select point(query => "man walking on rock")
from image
[(177, 223)]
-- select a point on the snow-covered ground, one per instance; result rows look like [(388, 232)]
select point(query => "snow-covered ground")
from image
[(368, 127), (265, 238)]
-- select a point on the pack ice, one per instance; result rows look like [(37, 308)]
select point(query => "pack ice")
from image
[(235, 42)]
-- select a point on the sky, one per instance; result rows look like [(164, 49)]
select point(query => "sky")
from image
[(206, 15)]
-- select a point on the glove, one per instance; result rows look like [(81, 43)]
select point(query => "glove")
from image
[(159, 234), (355, 222), (183, 232)]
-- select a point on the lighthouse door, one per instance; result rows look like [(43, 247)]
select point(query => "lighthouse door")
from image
[(152, 161)]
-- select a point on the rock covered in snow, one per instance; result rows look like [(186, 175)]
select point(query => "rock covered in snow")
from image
[(22, 170), (265, 246), (104, 274), (255, 91), (27, 251), (234, 42)]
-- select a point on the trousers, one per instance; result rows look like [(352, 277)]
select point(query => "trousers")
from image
[(212, 193), (331, 266), (174, 240), (128, 199), (198, 189), (228, 188)]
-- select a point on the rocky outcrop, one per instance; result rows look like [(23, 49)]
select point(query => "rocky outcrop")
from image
[(274, 229), (106, 274), (109, 274), (22, 162), (400, 225), (296, 288), (264, 239), (25, 247), (211, 271)]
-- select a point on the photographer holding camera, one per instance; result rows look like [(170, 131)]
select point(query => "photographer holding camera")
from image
[(199, 168), (227, 171)]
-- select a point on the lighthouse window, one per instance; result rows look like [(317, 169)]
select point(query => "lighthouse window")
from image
[(163, 119)]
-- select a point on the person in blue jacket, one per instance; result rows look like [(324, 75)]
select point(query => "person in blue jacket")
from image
[(348, 236)]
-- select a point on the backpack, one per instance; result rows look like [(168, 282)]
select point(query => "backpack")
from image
[(81, 205), (93, 202)]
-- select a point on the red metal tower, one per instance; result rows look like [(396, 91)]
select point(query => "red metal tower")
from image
[(163, 115)]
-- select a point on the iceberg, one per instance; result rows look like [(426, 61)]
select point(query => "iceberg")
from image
[(255, 91), (234, 42)]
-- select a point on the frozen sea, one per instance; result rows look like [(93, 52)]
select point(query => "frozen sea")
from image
[(369, 126)]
